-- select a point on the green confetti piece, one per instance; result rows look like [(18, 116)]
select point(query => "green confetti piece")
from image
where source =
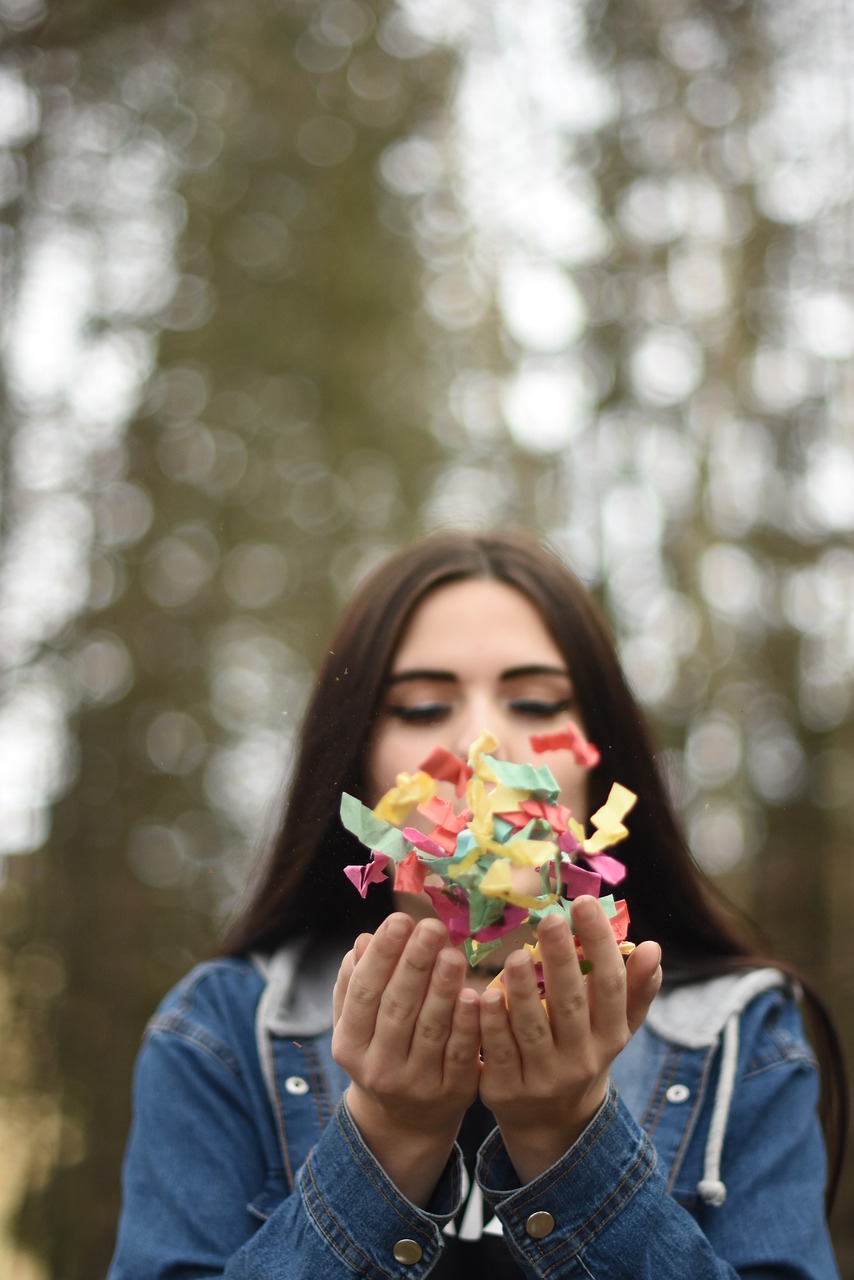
[(373, 832), (502, 830), (559, 908), (483, 950), (483, 911), (536, 779)]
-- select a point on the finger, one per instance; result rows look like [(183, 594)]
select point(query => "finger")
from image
[(360, 946), (435, 1018), (345, 972), (370, 977), (498, 1045), (529, 1021), (566, 991), (606, 981), (643, 981), (342, 981), (407, 987), (462, 1052)]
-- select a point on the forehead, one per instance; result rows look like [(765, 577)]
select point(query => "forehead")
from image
[(475, 621)]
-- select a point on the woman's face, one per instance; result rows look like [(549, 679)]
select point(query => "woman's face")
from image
[(476, 655)]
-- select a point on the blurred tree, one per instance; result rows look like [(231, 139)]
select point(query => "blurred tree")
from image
[(726, 234), (290, 281), (279, 445)]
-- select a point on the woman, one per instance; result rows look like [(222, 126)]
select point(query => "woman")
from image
[(297, 1101)]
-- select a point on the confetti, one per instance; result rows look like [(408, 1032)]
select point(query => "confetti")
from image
[(468, 861)]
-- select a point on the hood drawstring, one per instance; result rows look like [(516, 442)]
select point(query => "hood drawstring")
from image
[(710, 1188)]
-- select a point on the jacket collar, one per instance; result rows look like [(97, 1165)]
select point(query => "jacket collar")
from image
[(694, 1015), (300, 976)]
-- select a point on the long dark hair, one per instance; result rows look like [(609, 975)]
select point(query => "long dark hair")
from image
[(669, 897)]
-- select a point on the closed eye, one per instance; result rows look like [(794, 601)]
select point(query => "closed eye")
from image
[(538, 708), (424, 713)]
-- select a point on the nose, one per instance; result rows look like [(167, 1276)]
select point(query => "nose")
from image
[(478, 711)]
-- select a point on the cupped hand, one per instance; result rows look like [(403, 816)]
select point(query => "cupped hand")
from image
[(545, 1071), (407, 1033)]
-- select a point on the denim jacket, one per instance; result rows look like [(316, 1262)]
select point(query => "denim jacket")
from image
[(706, 1159)]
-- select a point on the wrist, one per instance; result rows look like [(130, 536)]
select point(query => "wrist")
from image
[(533, 1146), (412, 1155), (419, 1126)]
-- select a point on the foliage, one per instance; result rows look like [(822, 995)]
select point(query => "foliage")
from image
[(288, 282)]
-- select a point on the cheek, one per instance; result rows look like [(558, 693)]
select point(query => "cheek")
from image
[(572, 780), (376, 768), (391, 751)]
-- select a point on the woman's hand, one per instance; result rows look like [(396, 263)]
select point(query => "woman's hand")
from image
[(408, 1035), (545, 1074)]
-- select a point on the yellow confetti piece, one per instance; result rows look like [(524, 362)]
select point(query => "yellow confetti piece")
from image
[(528, 853), (408, 791), (467, 863), (577, 830), (483, 745), (496, 883), (609, 820), (503, 799), (480, 823)]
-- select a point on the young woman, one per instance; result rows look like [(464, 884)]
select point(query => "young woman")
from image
[(312, 1104)]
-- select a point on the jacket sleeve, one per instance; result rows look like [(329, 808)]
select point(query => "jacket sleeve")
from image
[(613, 1215), (194, 1169)]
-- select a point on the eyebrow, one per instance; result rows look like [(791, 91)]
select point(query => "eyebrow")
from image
[(450, 677)]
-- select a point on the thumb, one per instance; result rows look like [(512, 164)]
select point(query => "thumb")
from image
[(643, 981), (345, 972)]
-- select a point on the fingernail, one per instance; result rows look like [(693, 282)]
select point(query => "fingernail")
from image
[(397, 928), (431, 931), (585, 909)]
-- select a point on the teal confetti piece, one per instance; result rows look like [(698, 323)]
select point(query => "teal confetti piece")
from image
[(373, 832), (536, 779)]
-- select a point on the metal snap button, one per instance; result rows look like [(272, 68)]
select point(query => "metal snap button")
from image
[(407, 1252), (678, 1093), (540, 1225), (296, 1084)]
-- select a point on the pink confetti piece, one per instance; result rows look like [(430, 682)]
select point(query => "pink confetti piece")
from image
[(449, 824), (610, 869), (410, 873), (370, 873), (577, 881), (556, 815), (444, 766), (425, 843), (571, 739), (452, 908)]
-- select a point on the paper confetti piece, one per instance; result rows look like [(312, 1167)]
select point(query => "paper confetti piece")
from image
[(371, 830), (572, 739), (408, 791), (372, 872), (444, 766), (410, 874), (537, 780), (609, 820)]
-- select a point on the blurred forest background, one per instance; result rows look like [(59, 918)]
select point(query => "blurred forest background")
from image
[(286, 282)]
